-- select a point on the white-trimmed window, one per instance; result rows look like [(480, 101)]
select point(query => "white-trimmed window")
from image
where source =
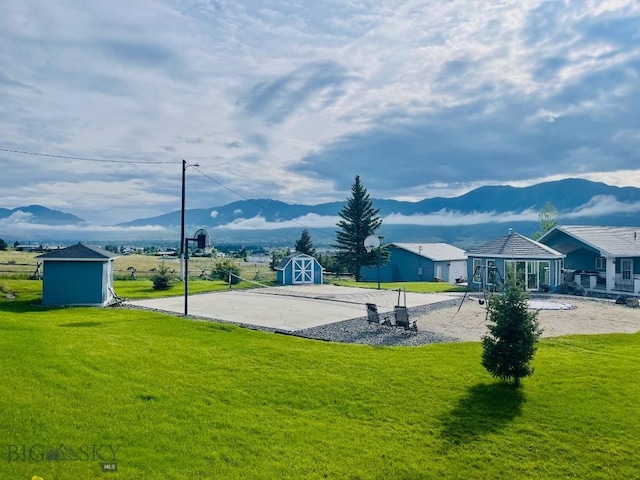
[(491, 272), (601, 263), (477, 270)]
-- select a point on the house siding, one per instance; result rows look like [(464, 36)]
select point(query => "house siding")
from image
[(403, 266), (582, 259), (73, 283)]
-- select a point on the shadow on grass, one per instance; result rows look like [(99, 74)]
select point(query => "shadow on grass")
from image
[(485, 409), (24, 306)]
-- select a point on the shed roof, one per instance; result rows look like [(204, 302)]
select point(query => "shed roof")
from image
[(611, 241), (438, 252), (79, 251), (283, 263), (515, 245)]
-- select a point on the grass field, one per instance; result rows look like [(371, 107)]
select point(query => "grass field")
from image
[(23, 264), (187, 399), (418, 287)]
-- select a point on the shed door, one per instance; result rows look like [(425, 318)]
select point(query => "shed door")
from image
[(303, 270)]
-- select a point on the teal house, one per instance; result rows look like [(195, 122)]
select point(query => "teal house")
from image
[(599, 258), (78, 275), (537, 267), (419, 262)]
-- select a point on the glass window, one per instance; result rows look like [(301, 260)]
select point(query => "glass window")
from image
[(477, 270), (491, 272), (601, 263)]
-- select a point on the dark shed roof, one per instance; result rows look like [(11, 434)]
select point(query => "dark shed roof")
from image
[(78, 251), (515, 245)]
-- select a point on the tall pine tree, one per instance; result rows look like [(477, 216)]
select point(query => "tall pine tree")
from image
[(359, 219), (304, 244)]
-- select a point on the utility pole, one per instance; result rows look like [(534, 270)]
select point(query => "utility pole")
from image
[(185, 165), (182, 242)]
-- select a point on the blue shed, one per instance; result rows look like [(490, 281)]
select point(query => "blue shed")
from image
[(537, 266), (419, 262), (78, 275), (298, 269)]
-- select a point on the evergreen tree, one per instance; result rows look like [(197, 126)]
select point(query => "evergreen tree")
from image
[(163, 278), (3, 244), (227, 268), (304, 244), (359, 219), (276, 257), (513, 334)]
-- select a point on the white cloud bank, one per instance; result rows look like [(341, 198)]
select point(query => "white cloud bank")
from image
[(598, 206), (311, 220), (20, 222)]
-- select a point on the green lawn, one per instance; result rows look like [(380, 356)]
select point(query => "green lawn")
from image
[(187, 399), (419, 287), (144, 288)]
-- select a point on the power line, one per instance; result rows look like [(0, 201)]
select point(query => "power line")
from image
[(157, 162), (217, 182), (86, 159)]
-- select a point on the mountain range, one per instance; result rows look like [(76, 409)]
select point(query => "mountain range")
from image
[(37, 214), (475, 217)]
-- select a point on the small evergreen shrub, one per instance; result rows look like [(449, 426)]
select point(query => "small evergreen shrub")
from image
[(222, 270), (514, 331), (163, 278)]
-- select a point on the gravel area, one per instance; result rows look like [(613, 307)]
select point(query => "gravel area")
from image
[(457, 320), (359, 330)]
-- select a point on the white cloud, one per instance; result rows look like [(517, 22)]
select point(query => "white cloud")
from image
[(452, 218), (310, 220), (466, 93), (597, 206), (19, 222), (603, 205)]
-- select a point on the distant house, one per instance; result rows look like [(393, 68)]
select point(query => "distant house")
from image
[(299, 269), (602, 258), (32, 247), (78, 275), (537, 266), (419, 262)]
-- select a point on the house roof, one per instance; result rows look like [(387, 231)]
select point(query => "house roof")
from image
[(610, 241), (515, 245), (438, 252), (283, 263), (78, 251)]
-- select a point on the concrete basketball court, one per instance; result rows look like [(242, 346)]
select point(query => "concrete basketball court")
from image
[(289, 308)]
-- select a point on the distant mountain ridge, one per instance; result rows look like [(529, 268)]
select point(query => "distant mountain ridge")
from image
[(565, 195), (466, 221), (38, 214)]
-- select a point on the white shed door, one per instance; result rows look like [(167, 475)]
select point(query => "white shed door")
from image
[(303, 270)]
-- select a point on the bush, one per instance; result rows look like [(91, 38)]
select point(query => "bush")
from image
[(163, 278), (222, 270), (513, 334)]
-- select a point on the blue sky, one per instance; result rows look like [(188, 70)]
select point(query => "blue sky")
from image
[(290, 100)]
